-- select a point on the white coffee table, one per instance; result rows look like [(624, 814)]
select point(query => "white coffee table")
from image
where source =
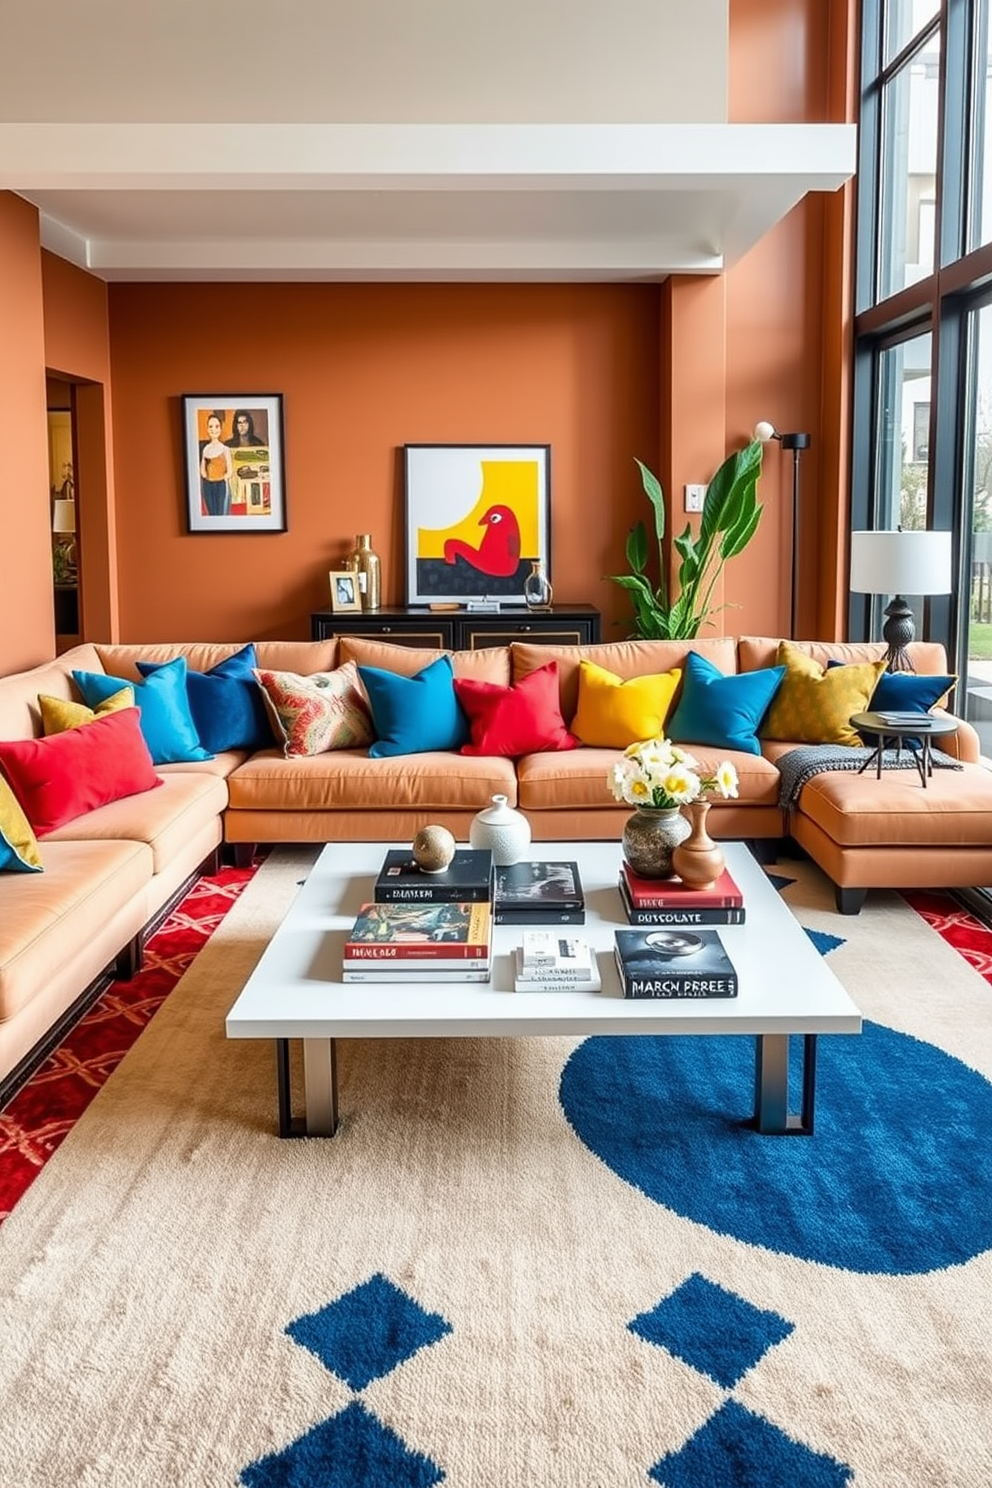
[(296, 992)]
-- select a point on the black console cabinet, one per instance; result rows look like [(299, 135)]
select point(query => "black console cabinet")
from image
[(460, 630)]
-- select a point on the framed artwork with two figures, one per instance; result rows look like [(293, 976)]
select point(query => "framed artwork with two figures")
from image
[(233, 445)]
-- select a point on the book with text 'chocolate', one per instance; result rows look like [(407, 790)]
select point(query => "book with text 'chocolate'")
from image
[(674, 963), (468, 878), (672, 893), (690, 917), (427, 933)]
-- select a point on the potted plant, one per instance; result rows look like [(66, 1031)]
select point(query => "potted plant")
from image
[(729, 520)]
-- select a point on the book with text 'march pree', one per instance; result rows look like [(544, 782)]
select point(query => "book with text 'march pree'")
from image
[(674, 963)]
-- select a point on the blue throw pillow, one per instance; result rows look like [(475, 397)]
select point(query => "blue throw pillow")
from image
[(414, 714), (724, 712), (904, 692), (226, 703), (165, 718)]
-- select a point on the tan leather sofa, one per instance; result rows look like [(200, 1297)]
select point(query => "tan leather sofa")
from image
[(110, 872)]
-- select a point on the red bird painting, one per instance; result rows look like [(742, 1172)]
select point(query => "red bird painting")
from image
[(498, 554)]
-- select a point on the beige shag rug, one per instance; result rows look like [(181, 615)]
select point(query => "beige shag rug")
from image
[(487, 1266)]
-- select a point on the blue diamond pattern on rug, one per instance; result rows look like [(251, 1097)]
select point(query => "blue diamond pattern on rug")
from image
[(714, 1330), (737, 1449), (351, 1450), (778, 880), (368, 1331)]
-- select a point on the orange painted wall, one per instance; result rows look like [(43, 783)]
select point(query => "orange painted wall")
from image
[(364, 369), (27, 619)]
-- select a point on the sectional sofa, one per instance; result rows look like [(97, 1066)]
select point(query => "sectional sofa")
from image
[(108, 873)]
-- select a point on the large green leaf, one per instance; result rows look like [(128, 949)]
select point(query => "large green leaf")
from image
[(729, 490), (656, 496), (637, 548)]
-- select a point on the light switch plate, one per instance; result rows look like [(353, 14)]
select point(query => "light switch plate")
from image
[(694, 498)]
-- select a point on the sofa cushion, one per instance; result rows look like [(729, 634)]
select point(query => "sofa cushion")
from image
[(67, 775), (762, 651), (311, 715), (576, 780), (412, 715), (612, 713), (163, 705), (351, 780), (624, 658), (228, 709), (524, 718), (860, 811), (18, 848), (815, 706), (487, 664), (167, 820), (725, 712), (59, 714)]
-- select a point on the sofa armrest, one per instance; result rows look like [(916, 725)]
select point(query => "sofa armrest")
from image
[(965, 745)]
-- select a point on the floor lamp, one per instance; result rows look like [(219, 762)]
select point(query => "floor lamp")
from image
[(796, 442)]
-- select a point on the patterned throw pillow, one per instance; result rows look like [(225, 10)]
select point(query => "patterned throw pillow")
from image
[(317, 713), (18, 848), (613, 713), (59, 714), (815, 706)]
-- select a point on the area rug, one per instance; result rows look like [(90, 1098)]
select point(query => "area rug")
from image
[(559, 1262)]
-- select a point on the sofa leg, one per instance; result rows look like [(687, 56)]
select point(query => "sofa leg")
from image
[(765, 850), (129, 959), (242, 853), (849, 901)]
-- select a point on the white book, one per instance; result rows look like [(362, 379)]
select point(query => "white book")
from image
[(372, 973), (554, 950), (533, 979)]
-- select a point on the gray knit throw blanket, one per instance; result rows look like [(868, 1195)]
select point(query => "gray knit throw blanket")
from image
[(800, 765)]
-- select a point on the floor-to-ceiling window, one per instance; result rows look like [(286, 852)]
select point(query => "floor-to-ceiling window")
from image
[(923, 330)]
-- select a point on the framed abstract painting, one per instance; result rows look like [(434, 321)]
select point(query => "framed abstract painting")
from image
[(478, 516), (234, 462)]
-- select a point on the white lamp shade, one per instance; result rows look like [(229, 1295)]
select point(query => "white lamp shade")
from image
[(763, 431), (901, 562), (64, 516)]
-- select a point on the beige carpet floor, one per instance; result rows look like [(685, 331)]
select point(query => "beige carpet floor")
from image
[(148, 1276)]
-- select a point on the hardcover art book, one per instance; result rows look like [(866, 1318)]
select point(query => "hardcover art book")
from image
[(674, 963), (672, 893), (421, 935), (540, 885), (468, 878), (683, 915)]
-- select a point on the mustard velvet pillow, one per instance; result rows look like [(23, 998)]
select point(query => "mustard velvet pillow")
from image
[(815, 706), (613, 713), (18, 847), (59, 714)]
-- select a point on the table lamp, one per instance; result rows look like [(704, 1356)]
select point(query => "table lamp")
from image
[(900, 563)]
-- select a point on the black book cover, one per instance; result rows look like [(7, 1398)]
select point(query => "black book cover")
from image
[(674, 963), (677, 917), (531, 886), (536, 918), (468, 878)]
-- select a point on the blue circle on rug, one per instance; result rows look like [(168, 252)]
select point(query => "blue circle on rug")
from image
[(897, 1177)]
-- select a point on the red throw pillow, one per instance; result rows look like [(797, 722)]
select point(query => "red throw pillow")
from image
[(65, 775), (522, 719)]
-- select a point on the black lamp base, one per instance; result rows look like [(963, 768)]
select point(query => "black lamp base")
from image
[(897, 632)]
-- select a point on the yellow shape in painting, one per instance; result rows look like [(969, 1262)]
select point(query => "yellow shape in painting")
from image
[(511, 483)]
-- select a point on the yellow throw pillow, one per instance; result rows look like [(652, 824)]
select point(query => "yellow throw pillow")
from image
[(815, 706), (613, 713), (18, 847), (59, 714)]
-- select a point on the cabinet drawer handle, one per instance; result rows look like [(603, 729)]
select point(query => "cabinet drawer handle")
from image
[(523, 628), (387, 630)]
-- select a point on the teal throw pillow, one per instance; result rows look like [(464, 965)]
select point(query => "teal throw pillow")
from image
[(165, 718), (227, 704), (411, 715), (724, 712)]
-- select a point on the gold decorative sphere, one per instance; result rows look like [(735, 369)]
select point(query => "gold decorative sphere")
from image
[(433, 849)]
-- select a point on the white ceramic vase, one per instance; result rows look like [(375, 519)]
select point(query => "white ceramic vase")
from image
[(504, 830)]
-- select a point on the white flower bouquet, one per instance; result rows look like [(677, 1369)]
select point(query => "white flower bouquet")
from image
[(660, 774)]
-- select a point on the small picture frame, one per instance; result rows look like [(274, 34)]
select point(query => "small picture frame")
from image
[(346, 596), (233, 444)]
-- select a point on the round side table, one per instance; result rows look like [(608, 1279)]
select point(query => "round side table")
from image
[(900, 729)]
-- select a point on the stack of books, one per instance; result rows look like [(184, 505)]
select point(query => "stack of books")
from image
[(674, 963), (420, 942), (548, 961), (468, 879), (667, 901), (539, 893)]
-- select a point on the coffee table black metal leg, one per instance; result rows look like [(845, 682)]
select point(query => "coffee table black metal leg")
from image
[(771, 1086), (320, 1078)]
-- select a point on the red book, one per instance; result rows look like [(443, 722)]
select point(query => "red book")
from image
[(418, 932), (672, 893)]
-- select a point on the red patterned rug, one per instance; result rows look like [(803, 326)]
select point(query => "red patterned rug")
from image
[(39, 1116)]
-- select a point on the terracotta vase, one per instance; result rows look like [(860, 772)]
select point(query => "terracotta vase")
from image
[(698, 861), (650, 837)]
